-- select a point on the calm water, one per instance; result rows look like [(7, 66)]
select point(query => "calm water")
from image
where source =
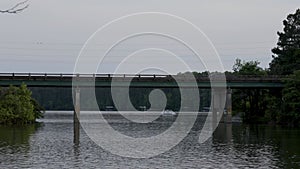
[(50, 145)]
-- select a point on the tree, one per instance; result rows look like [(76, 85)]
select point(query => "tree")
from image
[(17, 106), (291, 100), (247, 68), (17, 8), (250, 101), (287, 53), (285, 107)]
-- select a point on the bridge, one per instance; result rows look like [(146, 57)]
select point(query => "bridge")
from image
[(139, 80), (143, 81)]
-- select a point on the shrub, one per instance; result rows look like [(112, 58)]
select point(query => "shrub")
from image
[(17, 106)]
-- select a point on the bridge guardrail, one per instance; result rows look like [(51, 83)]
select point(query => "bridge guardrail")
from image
[(68, 76)]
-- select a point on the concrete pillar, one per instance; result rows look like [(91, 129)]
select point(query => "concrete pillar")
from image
[(218, 98), (214, 110), (76, 124), (229, 105)]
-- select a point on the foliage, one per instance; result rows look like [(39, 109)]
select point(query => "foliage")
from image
[(287, 62), (291, 99), (247, 68), (274, 105), (37, 108), (250, 101), (287, 53), (17, 106)]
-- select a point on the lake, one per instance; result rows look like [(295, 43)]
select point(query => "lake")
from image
[(50, 145)]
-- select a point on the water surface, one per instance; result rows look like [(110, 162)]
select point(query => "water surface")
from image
[(50, 145)]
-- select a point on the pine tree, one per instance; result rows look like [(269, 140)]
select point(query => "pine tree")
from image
[(287, 53)]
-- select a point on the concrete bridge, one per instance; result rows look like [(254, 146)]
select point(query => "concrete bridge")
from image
[(141, 81)]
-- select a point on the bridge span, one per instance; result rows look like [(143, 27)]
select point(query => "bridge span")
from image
[(139, 80)]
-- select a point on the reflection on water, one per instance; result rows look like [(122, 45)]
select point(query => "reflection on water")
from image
[(16, 135), (232, 146), (15, 142)]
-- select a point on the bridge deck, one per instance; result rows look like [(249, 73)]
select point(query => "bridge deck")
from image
[(143, 80)]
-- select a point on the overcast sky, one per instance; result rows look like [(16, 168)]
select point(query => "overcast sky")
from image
[(48, 36)]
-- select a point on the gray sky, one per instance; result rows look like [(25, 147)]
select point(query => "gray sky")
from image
[(48, 36)]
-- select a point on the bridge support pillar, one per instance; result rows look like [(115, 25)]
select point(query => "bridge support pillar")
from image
[(229, 105), (217, 108), (76, 124)]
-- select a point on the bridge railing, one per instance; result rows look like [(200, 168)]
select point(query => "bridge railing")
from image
[(70, 75), (44, 76)]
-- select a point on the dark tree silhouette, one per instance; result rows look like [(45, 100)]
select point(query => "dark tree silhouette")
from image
[(287, 53), (17, 8)]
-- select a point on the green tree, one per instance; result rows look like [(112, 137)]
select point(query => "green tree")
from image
[(283, 106), (17, 106), (287, 53), (291, 100), (250, 101), (247, 68)]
